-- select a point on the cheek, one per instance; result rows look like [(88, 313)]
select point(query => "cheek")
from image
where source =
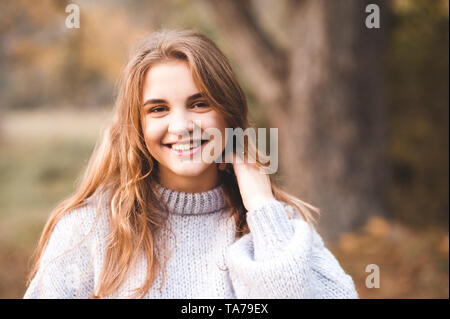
[(153, 134), (218, 122)]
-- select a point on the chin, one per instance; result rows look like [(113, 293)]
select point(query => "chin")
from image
[(189, 169)]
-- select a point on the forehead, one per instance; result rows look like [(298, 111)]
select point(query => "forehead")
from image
[(169, 80)]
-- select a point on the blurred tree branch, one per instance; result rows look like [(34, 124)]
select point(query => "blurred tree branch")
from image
[(254, 49)]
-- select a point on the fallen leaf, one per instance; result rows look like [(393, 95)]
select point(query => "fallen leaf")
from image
[(377, 227)]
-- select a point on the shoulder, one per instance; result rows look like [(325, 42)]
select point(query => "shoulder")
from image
[(85, 223)]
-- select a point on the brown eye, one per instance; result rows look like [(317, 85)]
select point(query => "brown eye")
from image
[(158, 109), (200, 104)]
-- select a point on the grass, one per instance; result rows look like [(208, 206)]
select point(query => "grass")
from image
[(42, 153)]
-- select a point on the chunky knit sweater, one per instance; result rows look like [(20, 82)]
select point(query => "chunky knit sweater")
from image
[(281, 257)]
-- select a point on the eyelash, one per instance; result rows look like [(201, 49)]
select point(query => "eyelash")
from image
[(153, 110), (203, 103)]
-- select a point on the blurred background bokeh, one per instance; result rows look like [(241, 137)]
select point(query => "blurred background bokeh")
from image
[(362, 117)]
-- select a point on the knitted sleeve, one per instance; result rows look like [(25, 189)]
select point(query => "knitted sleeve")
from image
[(284, 258), (66, 267)]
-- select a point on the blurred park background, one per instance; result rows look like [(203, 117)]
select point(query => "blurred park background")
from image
[(362, 116)]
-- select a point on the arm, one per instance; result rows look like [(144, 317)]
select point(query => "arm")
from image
[(65, 270), (284, 258)]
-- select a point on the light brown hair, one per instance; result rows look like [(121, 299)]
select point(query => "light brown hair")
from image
[(122, 166)]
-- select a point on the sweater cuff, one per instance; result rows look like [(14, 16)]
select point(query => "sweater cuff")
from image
[(271, 228)]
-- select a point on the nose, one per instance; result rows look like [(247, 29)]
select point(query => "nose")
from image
[(180, 124)]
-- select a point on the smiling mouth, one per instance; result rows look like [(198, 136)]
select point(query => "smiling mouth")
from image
[(181, 148)]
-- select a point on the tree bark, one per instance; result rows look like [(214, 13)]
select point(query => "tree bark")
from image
[(337, 117), (325, 96)]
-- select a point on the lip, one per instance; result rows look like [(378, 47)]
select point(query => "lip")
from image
[(181, 142), (186, 153)]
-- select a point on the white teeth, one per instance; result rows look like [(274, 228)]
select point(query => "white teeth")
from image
[(185, 147)]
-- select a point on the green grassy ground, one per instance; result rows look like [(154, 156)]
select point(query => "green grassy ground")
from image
[(41, 156)]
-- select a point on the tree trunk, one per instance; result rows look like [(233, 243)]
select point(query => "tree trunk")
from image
[(336, 117), (325, 97)]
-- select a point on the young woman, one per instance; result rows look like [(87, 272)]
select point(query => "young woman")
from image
[(151, 218)]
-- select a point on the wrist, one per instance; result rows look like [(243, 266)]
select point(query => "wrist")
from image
[(259, 200)]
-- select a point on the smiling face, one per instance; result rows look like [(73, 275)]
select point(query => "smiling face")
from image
[(172, 106)]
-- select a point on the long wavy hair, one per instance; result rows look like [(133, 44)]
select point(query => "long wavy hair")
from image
[(122, 166)]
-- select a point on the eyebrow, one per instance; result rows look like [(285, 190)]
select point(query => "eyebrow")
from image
[(190, 99)]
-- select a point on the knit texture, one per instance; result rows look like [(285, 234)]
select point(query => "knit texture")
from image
[(281, 257)]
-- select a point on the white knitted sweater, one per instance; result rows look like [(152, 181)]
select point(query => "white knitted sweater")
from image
[(281, 257)]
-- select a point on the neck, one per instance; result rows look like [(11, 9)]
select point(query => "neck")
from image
[(208, 180)]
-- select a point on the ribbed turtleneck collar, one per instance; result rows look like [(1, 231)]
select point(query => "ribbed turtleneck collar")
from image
[(181, 203)]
